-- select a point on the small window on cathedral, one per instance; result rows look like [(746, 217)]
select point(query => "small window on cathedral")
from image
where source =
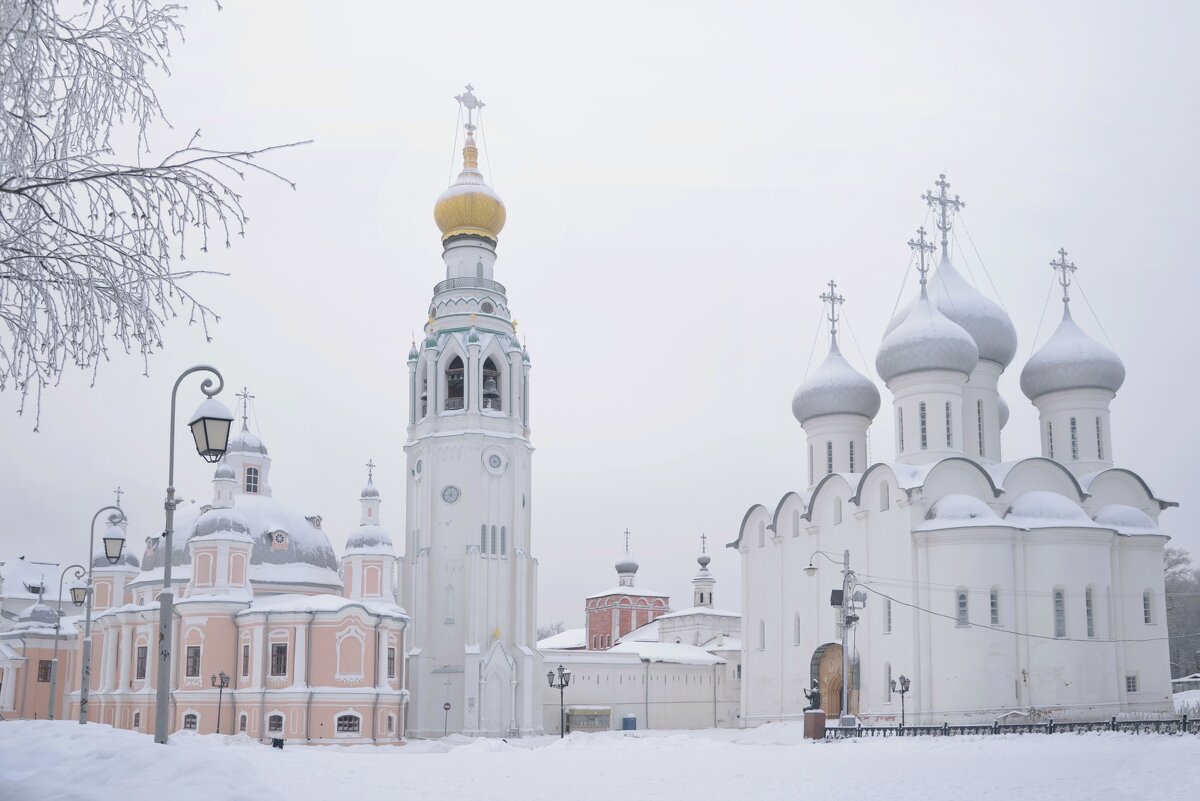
[(949, 426), (252, 480), (137, 719), (851, 456), (1099, 439), (1148, 607), (1074, 440), (828, 458), (483, 538), (900, 428), (275, 723), (190, 721), (1050, 439), (924, 430), (1131, 683), (961, 617), (503, 541), (979, 419), (1060, 613)]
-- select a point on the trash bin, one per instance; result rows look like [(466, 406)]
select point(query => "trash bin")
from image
[(277, 742), (629, 723)]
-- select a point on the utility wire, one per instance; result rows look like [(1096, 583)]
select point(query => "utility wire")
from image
[(486, 156), (1095, 316), (1021, 633), (454, 145), (986, 272), (816, 336), (857, 346), (1041, 318)]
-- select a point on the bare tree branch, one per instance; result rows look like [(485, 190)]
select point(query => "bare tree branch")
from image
[(88, 242)]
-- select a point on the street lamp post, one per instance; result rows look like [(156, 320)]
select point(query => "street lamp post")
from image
[(79, 592), (220, 682), (114, 543), (563, 679), (210, 429), (848, 617), (904, 687)]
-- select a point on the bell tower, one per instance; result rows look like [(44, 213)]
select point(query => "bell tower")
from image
[(470, 579)]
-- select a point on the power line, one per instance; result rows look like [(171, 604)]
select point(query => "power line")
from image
[(1016, 633), (1041, 318)]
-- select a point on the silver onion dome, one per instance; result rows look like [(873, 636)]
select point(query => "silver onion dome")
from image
[(1071, 359), (925, 340), (835, 388)]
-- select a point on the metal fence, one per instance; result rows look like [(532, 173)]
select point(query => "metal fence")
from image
[(1183, 725)]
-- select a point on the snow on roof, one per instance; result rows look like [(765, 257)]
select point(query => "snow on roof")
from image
[(1044, 509), (1193, 677), (959, 511), (730, 644), (677, 653), (570, 639), (701, 610), (320, 603), (631, 591), (1126, 519), (18, 576), (645, 633)]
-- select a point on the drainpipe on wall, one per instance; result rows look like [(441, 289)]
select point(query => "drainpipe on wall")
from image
[(375, 706), (714, 678), (266, 658), (647, 663), (237, 654), (308, 676)]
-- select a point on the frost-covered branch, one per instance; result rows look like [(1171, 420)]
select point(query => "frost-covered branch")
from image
[(88, 241)]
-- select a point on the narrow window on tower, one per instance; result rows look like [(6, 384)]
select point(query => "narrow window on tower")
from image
[(1050, 439), (493, 540), (851, 456), (424, 397), (887, 616), (1089, 609), (828, 457), (979, 417), (1099, 439), (455, 384), (252, 480), (483, 538), (994, 603), (503, 541), (491, 386), (949, 428), (1074, 440), (900, 428), (924, 432), (961, 613)]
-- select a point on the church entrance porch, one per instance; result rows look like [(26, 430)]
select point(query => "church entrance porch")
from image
[(826, 671)]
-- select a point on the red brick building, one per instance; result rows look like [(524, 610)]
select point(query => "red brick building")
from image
[(613, 613)]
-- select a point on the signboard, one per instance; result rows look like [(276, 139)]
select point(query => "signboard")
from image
[(446, 706)]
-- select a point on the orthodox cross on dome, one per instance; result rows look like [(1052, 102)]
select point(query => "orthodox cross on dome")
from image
[(246, 397), (922, 247), (626, 540), (948, 206), (834, 300), (704, 537), (118, 492), (1064, 269), (471, 103), (370, 469)]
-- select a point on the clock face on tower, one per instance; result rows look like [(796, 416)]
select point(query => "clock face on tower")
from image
[(494, 460), (450, 493)]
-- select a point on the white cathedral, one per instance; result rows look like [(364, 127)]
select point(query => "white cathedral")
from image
[(470, 578), (1020, 588)]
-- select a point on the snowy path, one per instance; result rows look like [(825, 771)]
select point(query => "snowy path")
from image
[(40, 761)]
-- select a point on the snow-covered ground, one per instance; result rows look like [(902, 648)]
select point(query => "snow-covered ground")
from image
[(1188, 703), (63, 761)]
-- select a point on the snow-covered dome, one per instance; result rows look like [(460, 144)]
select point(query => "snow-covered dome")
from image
[(370, 538), (225, 471), (38, 615), (835, 388), (369, 491), (304, 556), (626, 564), (1048, 507), (925, 340), (221, 521), (246, 442), (1126, 519), (987, 323), (1071, 359), (958, 507), (1003, 412)]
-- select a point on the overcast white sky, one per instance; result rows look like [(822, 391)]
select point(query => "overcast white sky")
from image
[(681, 179)]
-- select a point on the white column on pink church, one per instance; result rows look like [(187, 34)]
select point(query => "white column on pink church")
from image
[(301, 653), (124, 657)]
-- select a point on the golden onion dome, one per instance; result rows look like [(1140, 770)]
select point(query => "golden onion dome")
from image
[(469, 206)]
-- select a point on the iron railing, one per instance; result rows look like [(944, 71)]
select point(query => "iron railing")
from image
[(1182, 725), (470, 283)]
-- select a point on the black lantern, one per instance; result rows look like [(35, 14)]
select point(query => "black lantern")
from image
[(79, 592), (210, 428), (114, 543)]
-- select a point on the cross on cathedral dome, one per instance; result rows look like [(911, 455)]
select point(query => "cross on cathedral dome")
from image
[(835, 387), (470, 206)]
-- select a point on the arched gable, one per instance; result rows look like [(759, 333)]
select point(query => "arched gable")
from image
[(833, 484), (1040, 473), (1118, 485), (790, 503), (754, 515), (959, 476), (869, 479)]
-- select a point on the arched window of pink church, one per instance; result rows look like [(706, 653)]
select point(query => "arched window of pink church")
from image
[(350, 656), (252, 480), (371, 580), (237, 569)]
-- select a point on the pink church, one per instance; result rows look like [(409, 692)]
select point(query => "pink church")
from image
[(314, 649)]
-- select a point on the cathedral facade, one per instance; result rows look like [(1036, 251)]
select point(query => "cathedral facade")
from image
[(998, 588), (470, 576)]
